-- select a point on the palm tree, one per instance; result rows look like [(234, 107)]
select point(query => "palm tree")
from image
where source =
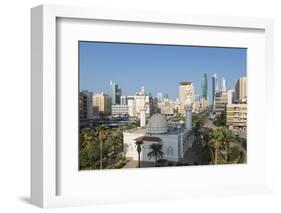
[(228, 137), (215, 143), (101, 136), (139, 147), (156, 152)]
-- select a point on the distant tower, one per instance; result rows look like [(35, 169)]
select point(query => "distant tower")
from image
[(115, 92), (186, 92), (223, 85), (204, 86), (215, 89)]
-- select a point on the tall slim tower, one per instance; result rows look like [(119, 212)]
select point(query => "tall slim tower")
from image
[(215, 89), (204, 86), (115, 92), (241, 90), (186, 93), (223, 85)]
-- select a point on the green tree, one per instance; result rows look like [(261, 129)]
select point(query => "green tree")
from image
[(234, 154), (139, 148), (101, 136), (88, 150), (228, 137), (156, 152), (220, 120), (115, 140), (215, 143)]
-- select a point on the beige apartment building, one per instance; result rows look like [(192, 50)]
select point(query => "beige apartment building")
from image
[(236, 116), (241, 90), (186, 94), (103, 102)]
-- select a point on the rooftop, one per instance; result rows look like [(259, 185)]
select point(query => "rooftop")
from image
[(148, 138)]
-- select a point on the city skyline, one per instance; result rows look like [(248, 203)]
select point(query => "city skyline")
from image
[(129, 60)]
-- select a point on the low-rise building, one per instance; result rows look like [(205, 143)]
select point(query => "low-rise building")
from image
[(120, 110)]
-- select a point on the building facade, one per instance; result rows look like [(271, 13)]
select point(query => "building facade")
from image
[(186, 95), (241, 90), (175, 139), (131, 106), (167, 107), (85, 105), (123, 100), (236, 116), (103, 102), (119, 110), (221, 100)]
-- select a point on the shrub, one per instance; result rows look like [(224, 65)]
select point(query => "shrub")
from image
[(234, 153)]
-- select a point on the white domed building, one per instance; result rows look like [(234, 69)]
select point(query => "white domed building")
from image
[(175, 138)]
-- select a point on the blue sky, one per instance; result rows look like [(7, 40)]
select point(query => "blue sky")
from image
[(159, 68)]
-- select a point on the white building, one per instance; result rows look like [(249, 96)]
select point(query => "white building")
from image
[(175, 138), (132, 106), (123, 100), (167, 107), (119, 109)]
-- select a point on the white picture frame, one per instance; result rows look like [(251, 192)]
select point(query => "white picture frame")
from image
[(44, 114)]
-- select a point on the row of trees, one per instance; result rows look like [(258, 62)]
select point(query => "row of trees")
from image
[(218, 144), (100, 149)]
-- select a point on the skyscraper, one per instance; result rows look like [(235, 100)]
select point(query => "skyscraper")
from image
[(204, 86), (223, 85), (115, 92), (186, 95), (215, 89), (103, 102), (241, 90)]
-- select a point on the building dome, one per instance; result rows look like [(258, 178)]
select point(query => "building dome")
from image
[(157, 124)]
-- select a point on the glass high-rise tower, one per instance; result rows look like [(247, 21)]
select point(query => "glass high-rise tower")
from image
[(204, 87), (115, 93), (215, 89)]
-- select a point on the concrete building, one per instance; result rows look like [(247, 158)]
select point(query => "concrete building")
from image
[(203, 104), (132, 106), (167, 107), (236, 116), (186, 94), (103, 102), (119, 110), (85, 105), (230, 96), (115, 93), (221, 100), (241, 90), (123, 100), (175, 138)]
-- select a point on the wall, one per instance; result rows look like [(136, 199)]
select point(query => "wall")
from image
[(15, 104)]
